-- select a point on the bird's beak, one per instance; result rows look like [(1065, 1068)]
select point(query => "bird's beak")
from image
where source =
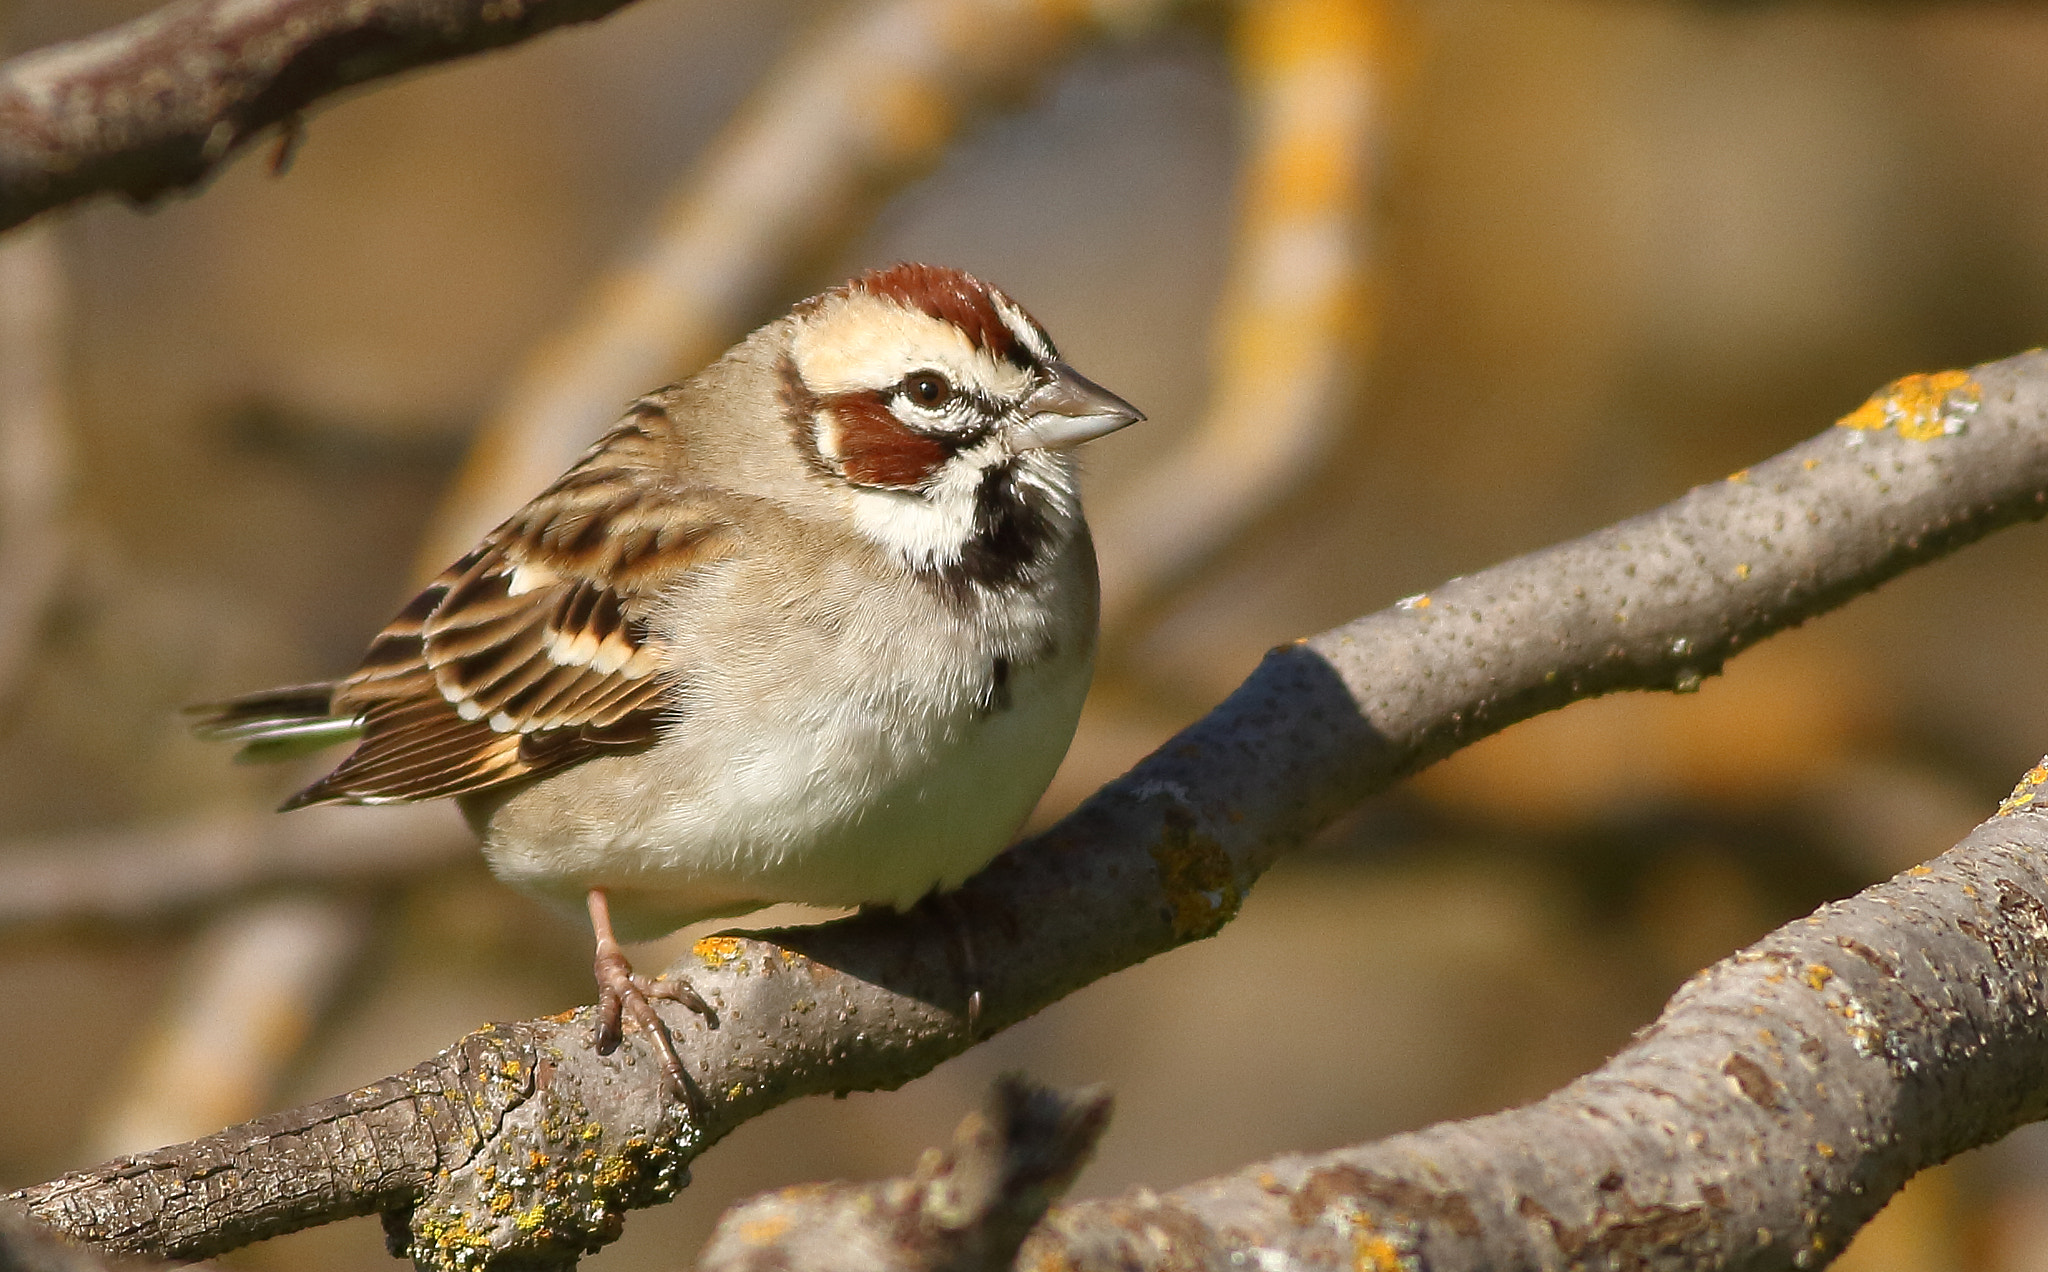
[(1070, 409)]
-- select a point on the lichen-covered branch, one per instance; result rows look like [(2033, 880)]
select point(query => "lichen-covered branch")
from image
[(1774, 1107), (523, 1146), (159, 103)]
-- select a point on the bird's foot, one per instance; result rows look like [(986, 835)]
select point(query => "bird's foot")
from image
[(623, 995)]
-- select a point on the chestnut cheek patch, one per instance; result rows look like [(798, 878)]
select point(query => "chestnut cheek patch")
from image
[(874, 448)]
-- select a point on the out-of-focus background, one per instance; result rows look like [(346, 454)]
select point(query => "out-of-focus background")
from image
[(1406, 287)]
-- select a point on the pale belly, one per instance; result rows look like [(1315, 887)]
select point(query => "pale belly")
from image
[(827, 799)]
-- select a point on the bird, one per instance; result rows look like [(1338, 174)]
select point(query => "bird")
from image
[(814, 625)]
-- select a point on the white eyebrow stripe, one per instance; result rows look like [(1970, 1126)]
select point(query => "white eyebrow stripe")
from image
[(1023, 328)]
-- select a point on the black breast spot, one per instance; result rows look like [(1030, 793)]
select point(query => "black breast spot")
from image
[(995, 696)]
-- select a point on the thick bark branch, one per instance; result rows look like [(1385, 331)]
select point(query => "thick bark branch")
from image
[(159, 103), (521, 1145)]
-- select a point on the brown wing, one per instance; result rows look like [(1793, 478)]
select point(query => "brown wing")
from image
[(534, 651)]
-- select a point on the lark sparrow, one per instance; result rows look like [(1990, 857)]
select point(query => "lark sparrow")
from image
[(813, 625)]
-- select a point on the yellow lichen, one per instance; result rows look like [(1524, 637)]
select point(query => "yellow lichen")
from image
[(2024, 795), (717, 951), (1819, 974), (1739, 476), (1920, 408), (1372, 1251), (760, 1232), (1201, 887)]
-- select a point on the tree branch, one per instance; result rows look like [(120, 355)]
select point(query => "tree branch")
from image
[(160, 103), (520, 1145)]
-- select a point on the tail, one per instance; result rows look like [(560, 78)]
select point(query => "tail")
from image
[(276, 724)]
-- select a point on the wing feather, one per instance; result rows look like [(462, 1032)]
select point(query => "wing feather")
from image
[(536, 650)]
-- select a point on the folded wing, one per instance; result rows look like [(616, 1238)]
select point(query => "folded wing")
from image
[(536, 650)]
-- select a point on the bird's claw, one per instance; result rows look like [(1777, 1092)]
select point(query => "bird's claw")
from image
[(622, 995)]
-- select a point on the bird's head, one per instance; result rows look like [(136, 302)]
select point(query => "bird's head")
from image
[(941, 406)]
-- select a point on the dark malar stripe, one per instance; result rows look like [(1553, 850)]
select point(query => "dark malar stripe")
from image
[(1012, 539)]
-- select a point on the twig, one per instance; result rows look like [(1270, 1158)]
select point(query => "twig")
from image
[(868, 102), (522, 1146), (151, 872), (1292, 329), (965, 1210), (35, 444), (160, 103), (257, 981)]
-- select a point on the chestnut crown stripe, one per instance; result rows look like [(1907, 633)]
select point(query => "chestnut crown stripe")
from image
[(962, 300)]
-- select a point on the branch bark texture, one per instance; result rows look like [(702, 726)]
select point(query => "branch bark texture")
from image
[(520, 1146), (160, 103)]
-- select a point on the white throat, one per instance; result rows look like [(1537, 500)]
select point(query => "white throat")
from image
[(931, 529)]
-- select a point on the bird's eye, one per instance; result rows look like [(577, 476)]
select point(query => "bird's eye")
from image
[(928, 389)]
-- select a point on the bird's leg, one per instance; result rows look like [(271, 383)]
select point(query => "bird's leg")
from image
[(622, 993), (955, 920)]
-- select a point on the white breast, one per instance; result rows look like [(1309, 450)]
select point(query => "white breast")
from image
[(833, 745)]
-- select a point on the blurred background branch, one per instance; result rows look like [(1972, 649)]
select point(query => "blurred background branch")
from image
[(155, 873), (1293, 326), (968, 1207), (866, 102), (254, 985), (35, 442)]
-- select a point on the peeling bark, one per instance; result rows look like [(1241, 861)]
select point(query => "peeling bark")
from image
[(160, 103), (521, 1147)]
